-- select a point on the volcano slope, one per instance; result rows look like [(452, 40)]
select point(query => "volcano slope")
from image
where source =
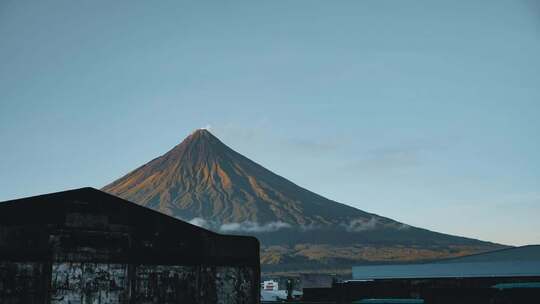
[(203, 181)]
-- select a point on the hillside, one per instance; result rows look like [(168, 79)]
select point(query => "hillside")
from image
[(203, 181)]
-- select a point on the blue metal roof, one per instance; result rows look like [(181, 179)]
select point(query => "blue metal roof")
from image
[(453, 270), (517, 285), (514, 262)]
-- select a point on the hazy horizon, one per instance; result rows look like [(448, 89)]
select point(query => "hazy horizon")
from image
[(425, 112)]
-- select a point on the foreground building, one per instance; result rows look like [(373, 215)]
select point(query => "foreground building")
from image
[(86, 246), (505, 276)]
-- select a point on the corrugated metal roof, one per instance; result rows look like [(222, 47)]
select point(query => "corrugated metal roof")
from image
[(517, 285), (514, 262)]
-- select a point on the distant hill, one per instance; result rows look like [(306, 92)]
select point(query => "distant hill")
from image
[(203, 181), (513, 254)]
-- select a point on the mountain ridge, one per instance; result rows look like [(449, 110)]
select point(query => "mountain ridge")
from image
[(210, 166), (203, 181)]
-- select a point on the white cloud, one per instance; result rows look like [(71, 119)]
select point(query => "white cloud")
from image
[(198, 221), (361, 224), (249, 226)]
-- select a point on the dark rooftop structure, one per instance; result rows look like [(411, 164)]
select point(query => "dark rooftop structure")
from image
[(86, 246), (499, 277)]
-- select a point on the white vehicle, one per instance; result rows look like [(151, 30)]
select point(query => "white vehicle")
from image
[(270, 285)]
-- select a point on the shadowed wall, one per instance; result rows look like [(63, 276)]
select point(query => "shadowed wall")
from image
[(85, 246)]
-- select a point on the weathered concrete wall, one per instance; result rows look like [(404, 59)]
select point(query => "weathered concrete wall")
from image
[(94, 283), (90, 283), (97, 283), (232, 285), (168, 284), (87, 247)]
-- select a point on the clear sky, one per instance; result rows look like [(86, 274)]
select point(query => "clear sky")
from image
[(427, 112)]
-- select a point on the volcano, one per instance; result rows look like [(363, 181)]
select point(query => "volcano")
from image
[(203, 181)]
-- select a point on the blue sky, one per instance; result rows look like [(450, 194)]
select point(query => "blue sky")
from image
[(423, 111)]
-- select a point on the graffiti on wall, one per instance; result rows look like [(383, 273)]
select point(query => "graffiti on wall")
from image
[(193, 284), (88, 283), (232, 284), (166, 284), (97, 283)]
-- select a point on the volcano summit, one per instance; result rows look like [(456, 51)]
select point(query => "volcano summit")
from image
[(203, 181)]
